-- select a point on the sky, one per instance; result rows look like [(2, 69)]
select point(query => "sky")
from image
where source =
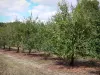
[(21, 9)]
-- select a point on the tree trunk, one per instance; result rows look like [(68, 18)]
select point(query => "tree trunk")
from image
[(17, 49), (46, 55), (9, 48), (23, 50), (29, 51), (72, 60), (4, 46)]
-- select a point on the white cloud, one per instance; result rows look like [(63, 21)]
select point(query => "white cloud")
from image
[(43, 12), (12, 8), (46, 2), (73, 2), (47, 8), (13, 5), (53, 2)]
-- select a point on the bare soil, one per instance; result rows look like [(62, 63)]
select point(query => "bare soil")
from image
[(51, 66)]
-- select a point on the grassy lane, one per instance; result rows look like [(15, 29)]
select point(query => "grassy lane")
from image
[(11, 67)]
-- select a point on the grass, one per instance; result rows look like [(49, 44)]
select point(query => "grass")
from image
[(8, 67), (3, 65), (12, 63)]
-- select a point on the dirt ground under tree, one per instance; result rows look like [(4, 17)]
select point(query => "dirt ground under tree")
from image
[(12, 63)]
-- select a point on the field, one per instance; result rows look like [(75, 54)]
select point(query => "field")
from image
[(12, 63), (63, 40), (67, 43)]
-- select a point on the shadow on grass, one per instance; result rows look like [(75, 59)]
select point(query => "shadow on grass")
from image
[(11, 49), (36, 55), (43, 56), (89, 63), (82, 64), (95, 72)]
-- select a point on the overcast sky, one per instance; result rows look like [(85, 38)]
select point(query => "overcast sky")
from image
[(44, 9)]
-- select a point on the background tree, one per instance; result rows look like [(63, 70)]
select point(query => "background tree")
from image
[(18, 34), (3, 36)]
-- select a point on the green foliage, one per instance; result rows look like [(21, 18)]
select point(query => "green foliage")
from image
[(69, 35), (3, 40)]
